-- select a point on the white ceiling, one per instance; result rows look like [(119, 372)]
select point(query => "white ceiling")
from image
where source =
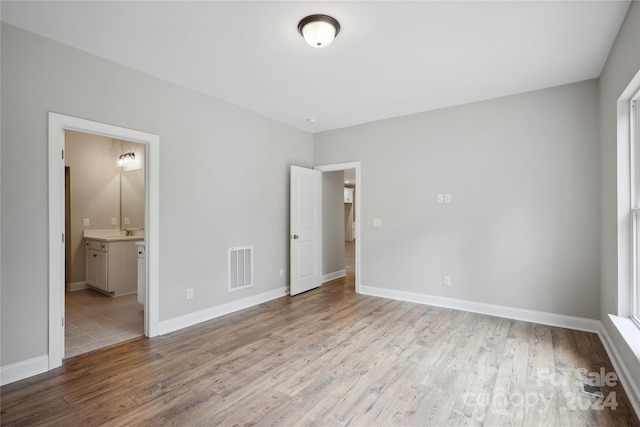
[(390, 59)]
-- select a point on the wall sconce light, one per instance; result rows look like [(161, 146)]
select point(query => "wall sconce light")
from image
[(319, 30), (126, 158)]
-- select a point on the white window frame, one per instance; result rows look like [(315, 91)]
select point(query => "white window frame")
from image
[(634, 151)]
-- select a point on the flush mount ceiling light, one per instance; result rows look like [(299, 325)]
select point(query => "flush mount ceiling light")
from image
[(319, 30)]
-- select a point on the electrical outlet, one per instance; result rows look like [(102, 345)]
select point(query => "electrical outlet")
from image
[(190, 293), (446, 281), (85, 222), (447, 197), (282, 272), (127, 221), (114, 221)]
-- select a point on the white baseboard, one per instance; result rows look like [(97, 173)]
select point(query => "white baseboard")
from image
[(21, 370), (552, 319), (78, 286), (333, 276), (191, 319), (628, 383)]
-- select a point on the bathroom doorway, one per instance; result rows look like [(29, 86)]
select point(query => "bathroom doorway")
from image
[(58, 125), (104, 200)]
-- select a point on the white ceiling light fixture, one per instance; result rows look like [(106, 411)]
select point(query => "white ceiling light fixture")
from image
[(319, 30), (126, 158)]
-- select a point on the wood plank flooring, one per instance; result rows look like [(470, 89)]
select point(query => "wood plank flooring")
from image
[(330, 357)]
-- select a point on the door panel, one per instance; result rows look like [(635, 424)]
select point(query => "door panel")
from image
[(305, 229), (306, 259)]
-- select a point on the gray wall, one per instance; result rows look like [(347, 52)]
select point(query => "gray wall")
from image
[(523, 228), (223, 181), (332, 222), (623, 63)]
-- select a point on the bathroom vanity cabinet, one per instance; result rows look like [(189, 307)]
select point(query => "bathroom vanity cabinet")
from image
[(112, 265)]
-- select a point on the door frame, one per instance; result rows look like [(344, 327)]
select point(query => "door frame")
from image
[(357, 166), (58, 123)]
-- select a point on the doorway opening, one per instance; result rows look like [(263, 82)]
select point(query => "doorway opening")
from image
[(350, 214), (104, 223), (350, 195), (59, 125)]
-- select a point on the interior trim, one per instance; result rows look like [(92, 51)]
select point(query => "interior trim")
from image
[(24, 369), (630, 386), (333, 276), (58, 123), (541, 317), (181, 322)]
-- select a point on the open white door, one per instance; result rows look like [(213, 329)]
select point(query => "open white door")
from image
[(305, 242)]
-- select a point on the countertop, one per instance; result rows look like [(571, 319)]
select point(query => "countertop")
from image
[(114, 235)]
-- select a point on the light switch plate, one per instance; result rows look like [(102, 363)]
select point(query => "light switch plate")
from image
[(114, 221), (447, 197), (440, 198), (127, 221), (377, 222), (85, 222)]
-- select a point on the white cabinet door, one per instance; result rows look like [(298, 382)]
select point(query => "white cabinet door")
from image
[(102, 265), (348, 195), (97, 269), (92, 266)]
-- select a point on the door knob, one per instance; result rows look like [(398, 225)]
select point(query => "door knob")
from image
[(295, 236)]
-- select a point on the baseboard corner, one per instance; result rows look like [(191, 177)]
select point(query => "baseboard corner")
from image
[(545, 318), (333, 276), (21, 370), (181, 322), (77, 286), (631, 388)]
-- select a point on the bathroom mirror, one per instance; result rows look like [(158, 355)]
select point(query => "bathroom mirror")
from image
[(132, 198)]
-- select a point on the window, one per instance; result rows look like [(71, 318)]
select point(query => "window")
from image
[(635, 204)]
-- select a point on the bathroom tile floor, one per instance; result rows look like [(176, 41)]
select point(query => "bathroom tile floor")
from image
[(94, 320)]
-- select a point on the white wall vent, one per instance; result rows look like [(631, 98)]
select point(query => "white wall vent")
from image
[(240, 268)]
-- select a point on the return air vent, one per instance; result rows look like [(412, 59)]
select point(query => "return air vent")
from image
[(240, 268)]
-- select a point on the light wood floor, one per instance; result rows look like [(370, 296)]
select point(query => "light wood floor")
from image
[(330, 357), (350, 256), (94, 320)]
